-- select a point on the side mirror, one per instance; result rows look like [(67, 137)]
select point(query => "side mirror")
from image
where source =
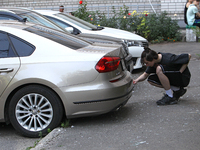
[(69, 29)]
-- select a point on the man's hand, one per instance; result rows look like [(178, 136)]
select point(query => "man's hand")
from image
[(134, 82)]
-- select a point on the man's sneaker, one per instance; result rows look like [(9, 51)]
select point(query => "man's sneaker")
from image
[(166, 100), (179, 93)]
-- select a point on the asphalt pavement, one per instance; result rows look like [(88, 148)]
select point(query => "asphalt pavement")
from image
[(140, 124)]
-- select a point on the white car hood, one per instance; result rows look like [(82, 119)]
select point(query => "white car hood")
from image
[(117, 33)]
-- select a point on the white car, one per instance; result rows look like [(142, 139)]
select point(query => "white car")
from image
[(134, 42)]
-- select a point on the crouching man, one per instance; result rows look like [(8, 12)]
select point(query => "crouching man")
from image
[(168, 71)]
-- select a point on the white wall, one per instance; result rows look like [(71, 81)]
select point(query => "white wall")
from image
[(171, 6)]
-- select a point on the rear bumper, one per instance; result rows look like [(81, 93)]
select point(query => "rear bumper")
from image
[(99, 107), (126, 96), (99, 98)]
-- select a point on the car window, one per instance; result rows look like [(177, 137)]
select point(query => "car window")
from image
[(59, 37), (77, 21), (64, 24), (5, 17), (6, 49), (60, 23), (35, 18), (22, 47)]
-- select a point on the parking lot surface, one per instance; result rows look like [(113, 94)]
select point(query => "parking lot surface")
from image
[(140, 124)]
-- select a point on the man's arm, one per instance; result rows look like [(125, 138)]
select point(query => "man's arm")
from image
[(142, 77), (198, 14), (185, 65)]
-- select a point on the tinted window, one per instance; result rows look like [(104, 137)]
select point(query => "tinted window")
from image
[(77, 21), (22, 47), (64, 25), (60, 23), (35, 18), (7, 18), (59, 37), (5, 47)]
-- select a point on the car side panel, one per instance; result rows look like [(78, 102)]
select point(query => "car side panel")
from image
[(8, 69)]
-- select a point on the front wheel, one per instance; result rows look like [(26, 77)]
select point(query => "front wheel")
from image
[(35, 109)]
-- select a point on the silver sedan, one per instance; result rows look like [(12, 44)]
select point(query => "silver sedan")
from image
[(46, 74)]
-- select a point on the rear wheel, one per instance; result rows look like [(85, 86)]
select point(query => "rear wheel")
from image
[(35, 109)]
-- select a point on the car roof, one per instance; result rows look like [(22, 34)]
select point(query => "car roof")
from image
[(14, 10), (50, 12), (10, 12), (15, 24)]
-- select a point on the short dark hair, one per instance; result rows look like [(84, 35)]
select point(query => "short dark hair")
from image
[(148, 54), (61, 7)]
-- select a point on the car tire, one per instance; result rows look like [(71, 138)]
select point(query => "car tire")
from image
[(35, 110)]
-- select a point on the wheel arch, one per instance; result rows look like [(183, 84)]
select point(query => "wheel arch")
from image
[(6, 112)]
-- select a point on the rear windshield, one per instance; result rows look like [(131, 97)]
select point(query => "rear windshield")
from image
[(59, 37)]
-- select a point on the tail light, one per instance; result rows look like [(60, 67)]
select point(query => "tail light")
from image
[(107, 64)]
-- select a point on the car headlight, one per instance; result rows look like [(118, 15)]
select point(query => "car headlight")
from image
[(136, 43)]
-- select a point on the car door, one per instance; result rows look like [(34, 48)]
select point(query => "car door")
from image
[(9, 62)]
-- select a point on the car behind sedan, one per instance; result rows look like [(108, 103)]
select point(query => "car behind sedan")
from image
[(46, 74), (134, 42)]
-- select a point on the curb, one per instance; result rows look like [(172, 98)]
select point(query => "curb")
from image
[(46, 142)]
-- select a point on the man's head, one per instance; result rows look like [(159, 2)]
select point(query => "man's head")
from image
[(61, 8), (196, 2), (148, 57), (190, 1)]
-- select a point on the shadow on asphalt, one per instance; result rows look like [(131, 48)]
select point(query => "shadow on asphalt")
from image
[(108, 118), (126, 113)]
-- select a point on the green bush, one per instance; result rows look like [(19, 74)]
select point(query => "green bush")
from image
[(155, 28)]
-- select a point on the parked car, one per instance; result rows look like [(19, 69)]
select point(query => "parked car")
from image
[(134, 42), (46, 74), (24, 15)]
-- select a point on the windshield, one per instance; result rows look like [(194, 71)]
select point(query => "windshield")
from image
[(59, 37), (35, 18), (81, 23)]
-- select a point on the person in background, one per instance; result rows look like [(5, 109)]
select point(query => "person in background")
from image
[(61, 8), (185, 10), (71, 13), (192, 13), (168, 71)]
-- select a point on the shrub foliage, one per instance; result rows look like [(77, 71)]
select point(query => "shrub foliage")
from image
[(155, 28)]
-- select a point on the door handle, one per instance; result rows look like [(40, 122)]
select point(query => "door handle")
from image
[(6, 70)]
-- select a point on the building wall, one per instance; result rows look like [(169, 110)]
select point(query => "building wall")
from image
[(171, 6), (174, 7)]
